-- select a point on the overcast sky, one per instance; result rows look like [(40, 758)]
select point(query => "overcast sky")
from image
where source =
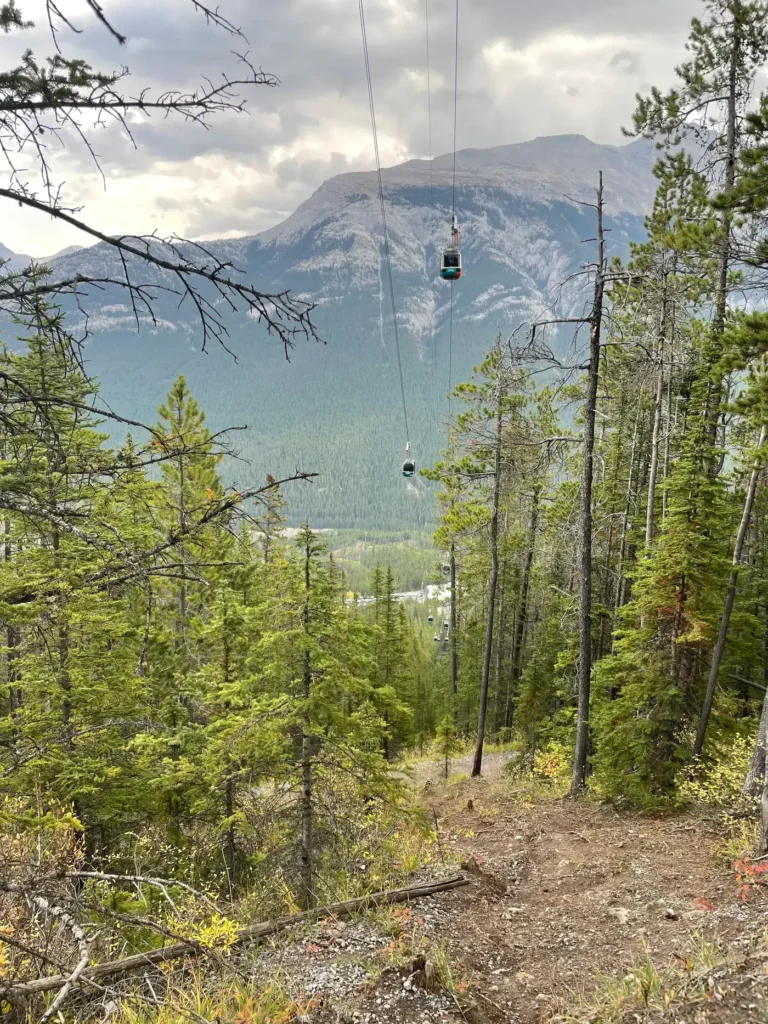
[(526, 68)]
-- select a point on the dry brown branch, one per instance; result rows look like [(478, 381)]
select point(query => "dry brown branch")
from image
[(253, 933)]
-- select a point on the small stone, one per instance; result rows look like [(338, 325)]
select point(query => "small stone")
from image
[(671, 914), (621, 914)]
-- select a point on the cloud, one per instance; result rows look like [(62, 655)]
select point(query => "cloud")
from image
[(627, 61), (524, 70)]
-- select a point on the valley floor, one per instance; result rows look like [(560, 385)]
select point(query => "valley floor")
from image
[(575, 913)]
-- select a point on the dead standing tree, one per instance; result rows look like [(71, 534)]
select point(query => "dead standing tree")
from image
[(594, 320), (494, 570)]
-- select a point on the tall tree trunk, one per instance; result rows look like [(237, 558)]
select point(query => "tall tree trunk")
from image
[(230, 786), (579, 776), (454, 649), (620, 578), (730, 598), (522, 616), (726, 224), (307, 810), (492, 581), (667, 444), (655, 439), (753, 783), (183, 584), (499, 661), (12, 639)]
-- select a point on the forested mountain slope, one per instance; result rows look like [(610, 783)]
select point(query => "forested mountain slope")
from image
[(336, 408)]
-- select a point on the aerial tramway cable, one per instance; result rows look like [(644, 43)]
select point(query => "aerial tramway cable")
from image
[(431, 176), (455, 104), (453, 200), (429, 112), (387, 252)]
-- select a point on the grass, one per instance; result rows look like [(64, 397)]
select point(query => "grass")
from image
[(740, 840), (194, 1000), (647, 988)]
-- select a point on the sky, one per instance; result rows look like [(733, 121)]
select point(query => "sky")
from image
[(526, 68)]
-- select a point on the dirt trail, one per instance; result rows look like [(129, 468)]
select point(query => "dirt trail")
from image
[(433, 772), (568, 892), (563, 893)]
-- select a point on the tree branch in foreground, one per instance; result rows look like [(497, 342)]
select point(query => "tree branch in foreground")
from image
[(253, 933)]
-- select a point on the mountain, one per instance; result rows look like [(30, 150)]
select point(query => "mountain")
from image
[(17, 261), (68, 250), (12, 260), (336, 407)]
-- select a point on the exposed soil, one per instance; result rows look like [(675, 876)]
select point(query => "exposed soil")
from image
[(563, 896)]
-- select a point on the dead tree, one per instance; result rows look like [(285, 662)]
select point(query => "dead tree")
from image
[(594, 320), (490, 614)]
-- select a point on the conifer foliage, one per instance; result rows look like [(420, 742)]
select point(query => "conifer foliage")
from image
[(609, 535)]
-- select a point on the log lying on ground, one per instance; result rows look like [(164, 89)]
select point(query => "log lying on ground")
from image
[(253, 933)]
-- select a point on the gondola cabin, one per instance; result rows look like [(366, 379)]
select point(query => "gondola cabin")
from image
[(430, 619), (450, 263), (409, 465)]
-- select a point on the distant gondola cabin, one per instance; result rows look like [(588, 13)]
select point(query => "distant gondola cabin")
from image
[(450, 263)]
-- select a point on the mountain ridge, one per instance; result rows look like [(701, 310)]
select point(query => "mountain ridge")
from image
[(336, 408)]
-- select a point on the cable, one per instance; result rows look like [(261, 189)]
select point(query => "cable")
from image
[(455, 121), (455, 103), (450, 357), (429, 112), (387, 254), (431, 175)]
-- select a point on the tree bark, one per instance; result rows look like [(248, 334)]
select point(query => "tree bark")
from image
[(667, 444), (499, 662), (620, 581), (492, 581), (307, 882), (522, 617), (654, 468), (454, 650), (579, 776), (730, 598), (12, 640), (753, 783)]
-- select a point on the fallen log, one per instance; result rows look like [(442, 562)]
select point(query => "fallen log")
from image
[(253, 933)]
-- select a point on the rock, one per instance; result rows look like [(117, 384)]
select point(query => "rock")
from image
[(621, 914), (671, 914), (693, 915), (470, 805), (471, 866)]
